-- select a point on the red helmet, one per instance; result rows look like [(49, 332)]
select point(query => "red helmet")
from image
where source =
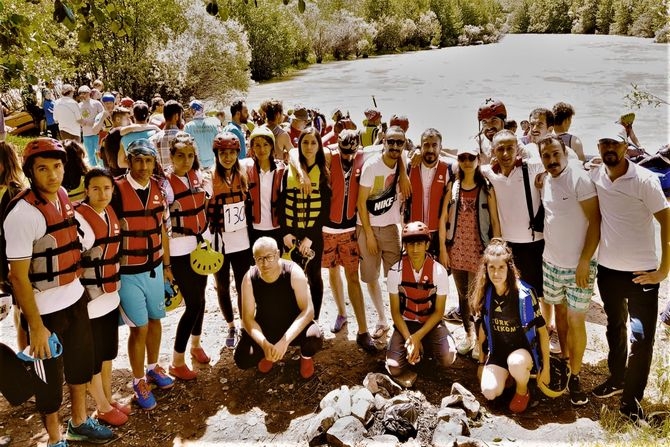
[(491, 108), (43, 146), (400, 121), (416, 230), (127, 102), (226, 140)]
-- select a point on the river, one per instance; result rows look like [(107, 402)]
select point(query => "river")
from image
[(442, 88)]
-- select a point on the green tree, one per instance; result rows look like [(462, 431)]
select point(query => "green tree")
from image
[(604, 16), (519, 17), (449, 16), (586, 14), (623, 17)]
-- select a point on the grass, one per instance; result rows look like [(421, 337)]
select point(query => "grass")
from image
[(18, 142)]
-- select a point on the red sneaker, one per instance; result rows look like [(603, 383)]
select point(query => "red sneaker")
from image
[(306, 367), (519, 403), (200, 355), (182, 372), (125, 409), (113, 417), (265, 365)]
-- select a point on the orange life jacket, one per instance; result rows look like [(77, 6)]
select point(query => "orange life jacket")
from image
[(344, 189), (187, 212), (101, 261), (56, 255), (437, 192), (223, 194), (417, 299), (141, 228), (255, 191)]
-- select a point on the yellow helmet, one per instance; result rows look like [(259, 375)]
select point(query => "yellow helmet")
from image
[(559, 376), (173, 296), (205, 260)]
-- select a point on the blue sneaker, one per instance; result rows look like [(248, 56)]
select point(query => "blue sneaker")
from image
[(61, 443), (158, 376), (89, 431), (145, 398)]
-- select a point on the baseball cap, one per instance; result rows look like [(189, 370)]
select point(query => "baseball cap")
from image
[(84, 89), (301, 113), (67, 88), (198, 108), (472, 150), (108, 97), (127, 102), (614, 132)]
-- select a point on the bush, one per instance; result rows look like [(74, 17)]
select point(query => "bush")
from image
[(663, 35)]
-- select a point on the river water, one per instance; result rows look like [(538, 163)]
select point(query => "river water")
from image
[(443, 88)]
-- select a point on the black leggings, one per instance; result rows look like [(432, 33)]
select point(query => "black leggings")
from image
[(192, 287), (240, 261), (313, 273)]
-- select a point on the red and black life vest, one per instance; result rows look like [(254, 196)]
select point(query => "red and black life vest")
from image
[(223, 194), (437, 192), (141, 228), (417, 299), (101, 261), (56, 255), (187, 212), (255, 191), (344, 190)]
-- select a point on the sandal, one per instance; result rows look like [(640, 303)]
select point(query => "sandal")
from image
[(380, 331)]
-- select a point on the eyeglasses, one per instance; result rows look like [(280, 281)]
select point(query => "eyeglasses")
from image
[(391, 142), (264, 259), (466, 157)]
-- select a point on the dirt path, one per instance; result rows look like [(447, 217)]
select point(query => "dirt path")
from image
[(226, 406)]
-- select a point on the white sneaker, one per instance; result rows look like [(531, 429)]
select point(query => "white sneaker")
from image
[(466, 345), (554, 343)]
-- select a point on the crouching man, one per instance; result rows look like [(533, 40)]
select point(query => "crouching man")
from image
[(277, 311), (417, 286)]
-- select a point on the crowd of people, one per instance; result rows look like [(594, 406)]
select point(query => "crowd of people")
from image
[(122, 199)]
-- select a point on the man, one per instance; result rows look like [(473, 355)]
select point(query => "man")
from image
[(429, 186), (518, 201), (157, 117), (203, 129), (277, 311), (417, 287), (145, 261), (90, 108), (111, 153), (103, 121), (172, 112), (491, 116), (40, 221), (239, 115), (628, 270), (274, 115), (339, 235), (140, 129), (563, 113), (541, 125), (571, 235), (371, 126), (68, 115), (300, 120), (379, 217)]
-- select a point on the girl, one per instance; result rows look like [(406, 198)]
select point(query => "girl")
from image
[(186, 199), (511, 327), (466, 225), (303, 216), (100, 236), (227, 217)]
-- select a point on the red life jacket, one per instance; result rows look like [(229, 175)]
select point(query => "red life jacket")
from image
[(437, 192), (223, 194), (187, 212), (255, 191), (56, 255), (101, 261), (141, 228), (417, 299), (344, 190)]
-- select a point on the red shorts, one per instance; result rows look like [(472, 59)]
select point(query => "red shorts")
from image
[(340, 249)]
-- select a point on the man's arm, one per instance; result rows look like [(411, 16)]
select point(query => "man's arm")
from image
[(591, 210), (303, 298), (125, 130), (658, 275), (578, 147), (442, 229), (100, 121), (370, 240), (22, 290), (493, 213)]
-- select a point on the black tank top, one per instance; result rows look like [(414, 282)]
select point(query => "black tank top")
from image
[(276, 305)]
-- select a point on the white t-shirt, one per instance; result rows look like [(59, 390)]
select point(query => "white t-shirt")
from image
[(89, 110), (66, 114), (440, 277), (233, 241), (511, 201), (627, 206), (181, 245), (565, 224), (23, 226), (106, 302), (379, 177), (266, 184)]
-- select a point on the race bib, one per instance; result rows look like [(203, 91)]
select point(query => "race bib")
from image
[(234, 217)]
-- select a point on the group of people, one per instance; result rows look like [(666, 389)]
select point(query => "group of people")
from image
[(517, 225)]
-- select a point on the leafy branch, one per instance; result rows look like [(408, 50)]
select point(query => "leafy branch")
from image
[(637, 98)]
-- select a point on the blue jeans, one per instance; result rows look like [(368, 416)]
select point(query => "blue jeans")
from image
[(623, 299), (91, 145)]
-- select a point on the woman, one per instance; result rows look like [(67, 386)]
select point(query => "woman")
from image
[(75, 170), (303, 215), (100, 236), (265, 175), (467, 223), (228, 223), (186, 199), (511, 328)]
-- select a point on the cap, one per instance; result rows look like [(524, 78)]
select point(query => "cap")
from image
[(196, 106), (614, 132), (84, 89), (108, 97), (472, 150), (262, 131), (66, 88), (301, 113), (372, 114), (142, 146), (127, 102)]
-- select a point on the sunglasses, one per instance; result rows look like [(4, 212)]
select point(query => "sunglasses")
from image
[(392, 142), (467, 157)]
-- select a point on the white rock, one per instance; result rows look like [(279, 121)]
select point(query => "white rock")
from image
[(329, 399), (343, 402), (346, 432), (381, 441), (361, 409)]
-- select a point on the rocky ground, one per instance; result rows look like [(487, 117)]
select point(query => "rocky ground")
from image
[(226, 406)]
